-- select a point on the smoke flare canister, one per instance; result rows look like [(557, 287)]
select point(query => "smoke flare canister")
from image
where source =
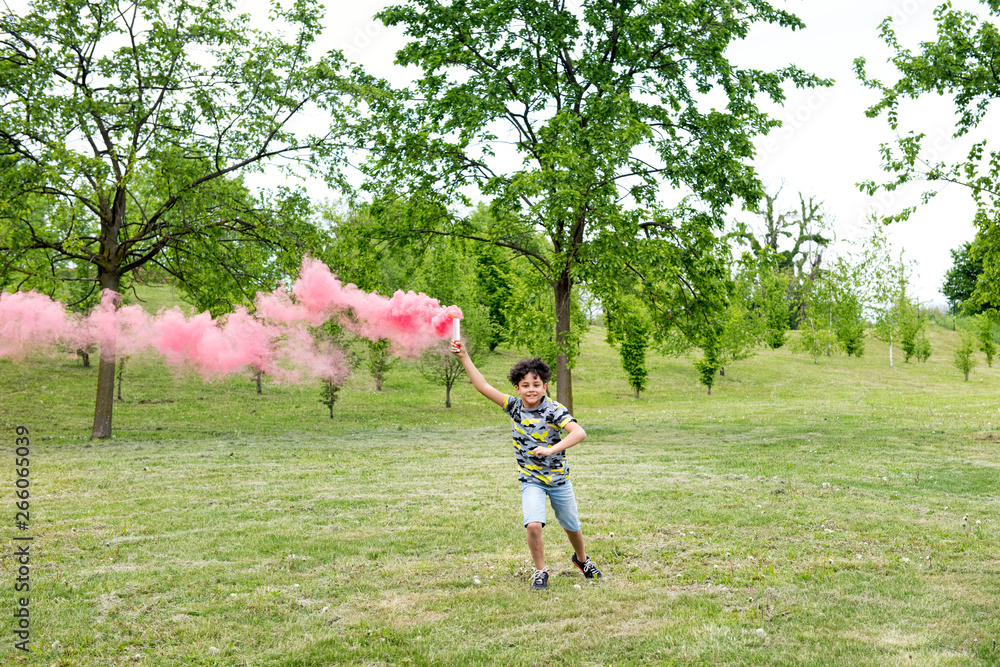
[(456, 333)]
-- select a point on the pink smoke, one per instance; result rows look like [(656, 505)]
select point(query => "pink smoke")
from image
[(215, 347), (275, 341), (30, 320), (299, 357), (410, 320), (119, 331)]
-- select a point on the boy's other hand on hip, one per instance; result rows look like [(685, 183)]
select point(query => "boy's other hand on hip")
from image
[(542, 451)]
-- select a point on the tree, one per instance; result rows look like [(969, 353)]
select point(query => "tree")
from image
[(851, 337), (818, 325), (846, 286), (960, 280), (329, 392), (492, 283), (987, 345), (961, 63), (628, 329), (891, 306), (911, 328), (379, 360), (965, 354), (571, 122), (439, 365), (774, 286), (816, 339), (753, 308), (850, 321), (744, 327), (885, 282), (711, 360), (532, 320), (119, 374), (452, 270), (448, 272), (923, 349), (132, 124), (802, 262), (336, 341), (831, 307)]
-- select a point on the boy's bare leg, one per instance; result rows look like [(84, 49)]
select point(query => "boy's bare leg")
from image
[(535, 545), (576, 539)]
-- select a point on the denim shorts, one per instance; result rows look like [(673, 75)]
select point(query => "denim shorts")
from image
[(561, 497)]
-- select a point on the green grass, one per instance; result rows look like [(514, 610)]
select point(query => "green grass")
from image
[(803, 514)]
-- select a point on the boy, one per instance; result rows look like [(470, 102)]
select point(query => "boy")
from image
[(535, 424)]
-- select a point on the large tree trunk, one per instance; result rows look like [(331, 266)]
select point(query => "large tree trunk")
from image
[(564, 378), (109, 277), (104, 405)]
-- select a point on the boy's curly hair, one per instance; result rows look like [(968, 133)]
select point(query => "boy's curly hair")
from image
[(527, 366)]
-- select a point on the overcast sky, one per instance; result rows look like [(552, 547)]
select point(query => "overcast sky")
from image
[(827, 143)]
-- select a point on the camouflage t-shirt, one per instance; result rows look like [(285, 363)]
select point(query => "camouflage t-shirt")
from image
[(538, 428)]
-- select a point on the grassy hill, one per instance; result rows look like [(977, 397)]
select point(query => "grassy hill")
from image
[(810, 514)]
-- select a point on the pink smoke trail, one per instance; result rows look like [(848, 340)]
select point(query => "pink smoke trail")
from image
[(410, 320), (276, 341), (30, 320), (215, 347), (299, 357)]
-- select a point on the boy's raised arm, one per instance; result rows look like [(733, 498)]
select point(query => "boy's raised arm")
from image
[(478, 381)]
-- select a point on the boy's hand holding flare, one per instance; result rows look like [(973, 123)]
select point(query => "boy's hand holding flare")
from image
[(574, 435)]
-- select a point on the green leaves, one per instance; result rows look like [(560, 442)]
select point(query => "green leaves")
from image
[(964, 358), (582, 98)]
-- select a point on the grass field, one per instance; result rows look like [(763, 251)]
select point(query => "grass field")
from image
[(838, 513)]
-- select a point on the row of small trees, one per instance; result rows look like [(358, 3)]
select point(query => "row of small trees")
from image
[(774, 287)]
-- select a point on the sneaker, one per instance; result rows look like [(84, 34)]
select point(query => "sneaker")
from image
[(588, 568), (540, 580)]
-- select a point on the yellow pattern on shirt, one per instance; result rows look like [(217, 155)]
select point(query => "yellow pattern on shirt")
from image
[(541, 429)]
